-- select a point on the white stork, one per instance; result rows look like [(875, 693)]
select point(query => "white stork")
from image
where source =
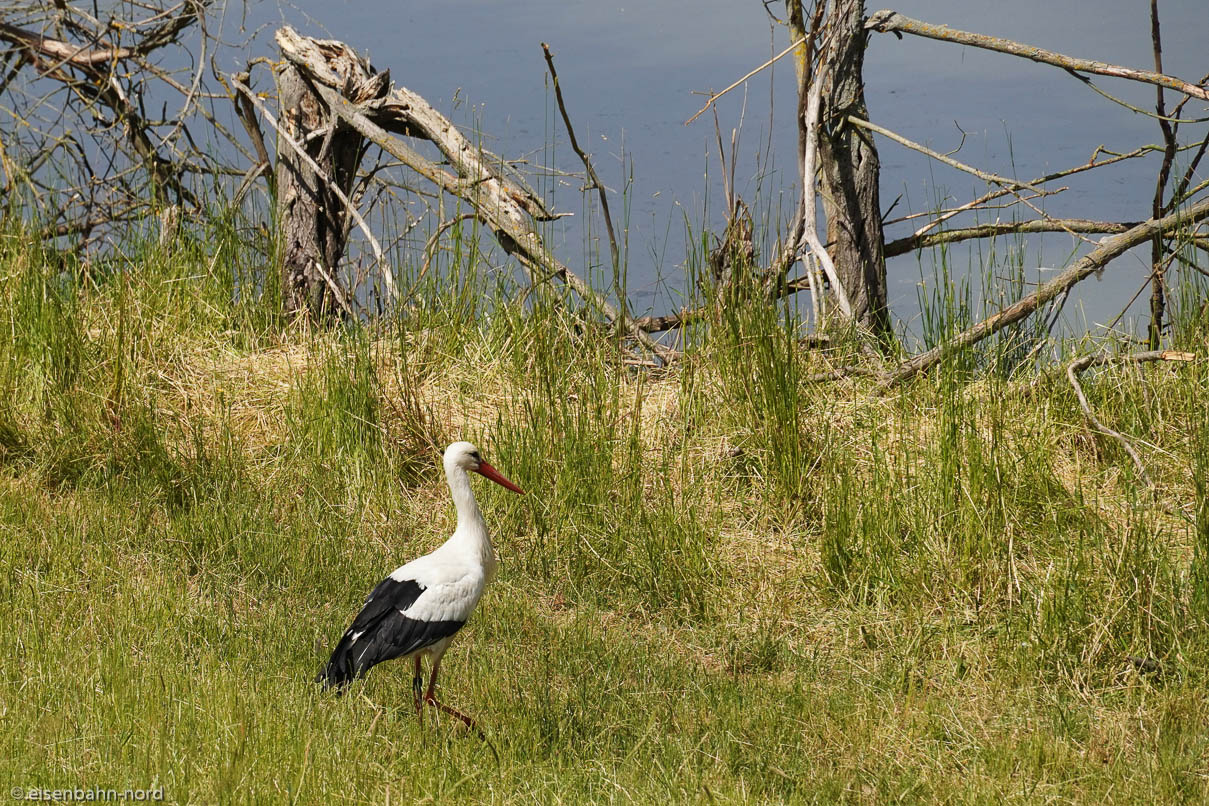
[(418, 608)]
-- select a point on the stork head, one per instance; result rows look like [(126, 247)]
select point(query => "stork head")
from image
[(464, 456)]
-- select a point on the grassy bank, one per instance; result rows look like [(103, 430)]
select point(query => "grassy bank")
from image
[(727, 584)]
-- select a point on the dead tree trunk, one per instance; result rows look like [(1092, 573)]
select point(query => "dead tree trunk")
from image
[(310, 215), (850, 172)]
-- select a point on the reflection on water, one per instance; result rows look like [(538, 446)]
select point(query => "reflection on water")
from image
[(632, 74)]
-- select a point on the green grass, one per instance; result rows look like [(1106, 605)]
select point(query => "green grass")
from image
[(726, 584)]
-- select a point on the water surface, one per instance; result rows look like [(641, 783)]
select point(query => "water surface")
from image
[(633, 73)]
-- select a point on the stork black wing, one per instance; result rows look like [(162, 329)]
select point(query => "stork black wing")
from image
[(381, 632)]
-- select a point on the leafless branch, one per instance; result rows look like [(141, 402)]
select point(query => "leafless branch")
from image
[(888, 21), (387, 274), (945, 158), (579, 152), (1109, 249), (1080, 365), (1082, 225), (430, 249), (713, 98), (1009, 185), (1158, 298), (76, 126)]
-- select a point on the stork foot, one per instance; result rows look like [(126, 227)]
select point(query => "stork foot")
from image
[(453, 712), (465, 720)]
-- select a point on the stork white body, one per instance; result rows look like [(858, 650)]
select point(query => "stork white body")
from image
[(417, 610)]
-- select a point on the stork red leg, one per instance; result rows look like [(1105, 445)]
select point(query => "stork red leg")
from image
[(430, 697)]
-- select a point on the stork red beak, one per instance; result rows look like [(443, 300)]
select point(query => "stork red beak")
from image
[(490, 472)]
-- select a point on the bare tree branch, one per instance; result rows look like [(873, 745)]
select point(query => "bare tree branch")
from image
[(888, 21), (88, 141), (945, 158), (579, 152), (713, 98), (508, 209), (991, 195), (1110, 248), (1082, 225)]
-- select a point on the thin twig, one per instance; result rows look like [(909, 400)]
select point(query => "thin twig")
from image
[(713, 98), (946, 159), (247, 117), (1135, 109), (429, 250), (1158, 295), (579, 152), (1079, 365)]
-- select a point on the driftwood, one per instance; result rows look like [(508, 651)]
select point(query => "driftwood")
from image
[(315, 177), (504, 205), (1130, 233)]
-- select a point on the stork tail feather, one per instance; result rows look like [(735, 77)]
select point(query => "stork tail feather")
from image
[(339, 671)]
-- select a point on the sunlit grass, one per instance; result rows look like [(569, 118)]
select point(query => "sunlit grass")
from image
[(726, 584)]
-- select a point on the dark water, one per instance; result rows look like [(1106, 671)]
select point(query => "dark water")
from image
[(632, 74)]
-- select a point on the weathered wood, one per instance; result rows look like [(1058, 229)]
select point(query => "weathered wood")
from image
[(850, 172), (284, 138), (810, 245), (313, 236), (479, 177)]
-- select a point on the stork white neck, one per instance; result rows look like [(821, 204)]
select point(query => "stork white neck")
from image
[(471, 534), (469, 515)]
